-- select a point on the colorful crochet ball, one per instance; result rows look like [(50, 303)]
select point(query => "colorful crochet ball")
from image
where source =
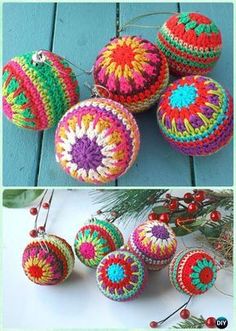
[(97, 141), (95, 240), (133, 71), (195, 115), (36, 95), (154, 242), (192, 271), (121, 276), (48, 261), (191, 43)]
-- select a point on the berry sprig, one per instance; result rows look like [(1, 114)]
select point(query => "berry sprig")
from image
[(35, 211), (184, 210)]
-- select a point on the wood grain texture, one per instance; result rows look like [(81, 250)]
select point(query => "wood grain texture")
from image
[(217, 169), (81, 30), (157, 164), (26, 27)]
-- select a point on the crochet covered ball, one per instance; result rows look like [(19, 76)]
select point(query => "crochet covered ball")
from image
[(133, 71), (192, 271), (95, 240), (195, 115), (191, 42), (97, 141), (48, 261), (154, 242), (36, 95), (121, 276)]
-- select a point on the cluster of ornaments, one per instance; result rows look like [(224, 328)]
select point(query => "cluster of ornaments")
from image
[(121, 270), (97, 140)]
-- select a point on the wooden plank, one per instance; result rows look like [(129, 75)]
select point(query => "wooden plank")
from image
[(208, 170), (26, 27), (81, 30), (157, 163)]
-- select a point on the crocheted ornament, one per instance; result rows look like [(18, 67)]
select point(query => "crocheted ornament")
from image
[(48, 261), (95, 240), (133, 70), (192, 271), (195, 115), (154, 242), (97, 141), (36, 96), (121, 276), (191, 42)]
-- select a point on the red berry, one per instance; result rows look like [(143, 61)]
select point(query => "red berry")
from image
[(199, 196), (193, 207), (210, 322), (153, 324), (99, 212), (185, 313), (45, 205), (215, 216), (33, 211), (168, 196), (33, 233), (41, 229), (218, 246), (188, 197), (114, 214), (173, 205), (164, 217), (153, 216)]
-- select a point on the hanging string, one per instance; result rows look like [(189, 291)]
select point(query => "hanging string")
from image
[(39, 58), (133, 20), (94, 92), (222, 292)]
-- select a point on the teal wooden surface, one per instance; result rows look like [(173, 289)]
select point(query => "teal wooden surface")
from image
[(77, 32)]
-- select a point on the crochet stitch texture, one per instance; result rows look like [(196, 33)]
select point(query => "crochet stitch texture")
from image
[(133, 70), (154, 242), (97, 141), (195, 115), (191, 42), (36, 96), (48, 261), (192, 271), (121, 276), (95, 240)]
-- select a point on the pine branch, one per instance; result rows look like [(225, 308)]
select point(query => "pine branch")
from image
[(192, 322)]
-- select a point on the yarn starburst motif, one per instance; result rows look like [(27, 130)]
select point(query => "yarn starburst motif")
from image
[(48, 261), (195, 115), (133, 70), (191, 42), (96, 240), (204, 274), (121, 276), (97, 141), (154, 242)]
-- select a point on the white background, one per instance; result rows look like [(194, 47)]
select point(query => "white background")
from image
[(77, 303)]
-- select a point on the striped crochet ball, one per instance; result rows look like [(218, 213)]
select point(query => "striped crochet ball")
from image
[(36, 96), (95, 240), (191, 43), (192, 271), (121, 276), (48, 261), (195, 115), (133, 71), (154, 242), (97, 141)]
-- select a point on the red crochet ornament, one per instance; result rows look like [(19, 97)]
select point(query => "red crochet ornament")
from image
[(192, 271), (191, 42)]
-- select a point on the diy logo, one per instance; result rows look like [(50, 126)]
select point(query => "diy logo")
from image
[(221, 322)]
